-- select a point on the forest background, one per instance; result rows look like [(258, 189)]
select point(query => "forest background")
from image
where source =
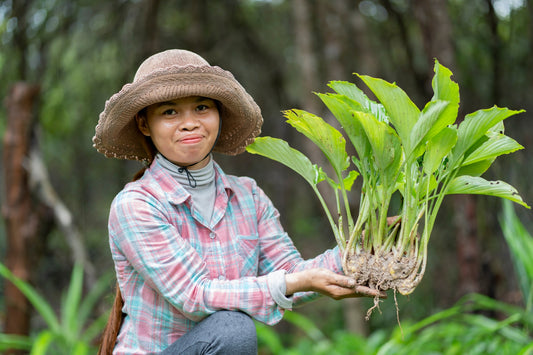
[(73, 55)]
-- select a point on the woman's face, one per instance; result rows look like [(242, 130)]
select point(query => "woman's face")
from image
[(183, 130)]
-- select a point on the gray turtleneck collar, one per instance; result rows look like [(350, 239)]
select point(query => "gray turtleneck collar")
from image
[(199, 183)]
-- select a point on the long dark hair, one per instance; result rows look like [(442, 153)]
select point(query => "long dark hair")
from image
[(116, 316)]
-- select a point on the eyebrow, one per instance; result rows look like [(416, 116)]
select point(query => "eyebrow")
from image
[(172, 103)]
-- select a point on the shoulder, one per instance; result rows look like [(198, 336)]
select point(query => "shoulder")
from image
[(238, 185), (140, 193)]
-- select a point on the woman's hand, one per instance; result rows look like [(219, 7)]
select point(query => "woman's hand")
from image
[(328, 283)]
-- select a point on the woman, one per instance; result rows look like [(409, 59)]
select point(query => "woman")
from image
[(198, 253)]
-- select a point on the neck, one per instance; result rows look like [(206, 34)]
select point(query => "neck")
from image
[(189, 177)]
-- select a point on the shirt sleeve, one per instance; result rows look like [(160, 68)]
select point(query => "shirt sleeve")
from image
[(278, 251), (151, 248)]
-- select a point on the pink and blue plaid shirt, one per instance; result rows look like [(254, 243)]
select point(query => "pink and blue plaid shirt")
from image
[(174, 268)]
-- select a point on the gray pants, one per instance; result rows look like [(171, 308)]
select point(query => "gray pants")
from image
[(223, 332)]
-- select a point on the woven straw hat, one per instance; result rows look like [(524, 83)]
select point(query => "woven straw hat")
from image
[(169, 75)]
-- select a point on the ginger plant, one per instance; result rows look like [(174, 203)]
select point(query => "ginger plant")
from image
[(416, 156)]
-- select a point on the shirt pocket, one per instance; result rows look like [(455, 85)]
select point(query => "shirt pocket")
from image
[(248, 250)]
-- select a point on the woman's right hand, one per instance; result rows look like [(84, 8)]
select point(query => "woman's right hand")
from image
[(328, 283)]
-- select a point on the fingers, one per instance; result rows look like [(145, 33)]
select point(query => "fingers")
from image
[(340, 286), (369, 292)]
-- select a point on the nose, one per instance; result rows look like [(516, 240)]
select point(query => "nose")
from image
[(189, 122)]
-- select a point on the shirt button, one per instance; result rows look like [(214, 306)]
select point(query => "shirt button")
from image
[(212, 235)]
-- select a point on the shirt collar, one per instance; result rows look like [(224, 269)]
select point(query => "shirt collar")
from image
[(176, 193)]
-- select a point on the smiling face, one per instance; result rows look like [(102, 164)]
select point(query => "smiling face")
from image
[(183, 130)]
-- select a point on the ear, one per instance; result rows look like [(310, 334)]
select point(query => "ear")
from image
[(142, 124)]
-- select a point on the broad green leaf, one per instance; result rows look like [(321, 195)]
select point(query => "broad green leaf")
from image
[(476, 125), (280, 151), (328, 139), (347, 182), (38, 302), (429, 124), (403, 113), (350, 179), (341, 107), (475, 169), (493, 147), (439, 147), (386, 147), (477, 185), (352, 92), (444, 88)]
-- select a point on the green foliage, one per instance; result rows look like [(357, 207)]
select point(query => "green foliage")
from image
[(422, 155), (71, 333)]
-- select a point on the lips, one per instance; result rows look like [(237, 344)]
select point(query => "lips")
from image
[(191, 139)]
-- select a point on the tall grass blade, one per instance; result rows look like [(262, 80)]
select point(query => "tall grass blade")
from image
[(38, 302), (521, 246), (70, 305)]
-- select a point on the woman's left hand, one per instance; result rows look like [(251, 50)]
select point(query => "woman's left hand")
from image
[(329, 284)]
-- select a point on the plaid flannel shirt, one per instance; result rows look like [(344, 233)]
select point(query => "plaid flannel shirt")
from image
[(174, 268)]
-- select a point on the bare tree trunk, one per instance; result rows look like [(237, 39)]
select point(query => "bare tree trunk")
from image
[(25, 219)]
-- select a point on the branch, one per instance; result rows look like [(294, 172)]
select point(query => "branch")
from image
[(39, 182)]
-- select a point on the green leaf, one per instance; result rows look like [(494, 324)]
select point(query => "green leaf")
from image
[(444, 88), (476, 125), (439, 147), (38, 302), (350, 179), (349, 90), (42, 342), (362, 102), (475, 169), (385, 144), (429, 124), (341, 107), (520, 244), (328, 139), (403, 113), (280, 151), (477, 185), (493, 147), (13, 341), (90, 301), (70, 306)]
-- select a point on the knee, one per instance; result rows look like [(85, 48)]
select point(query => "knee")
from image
[(237, 332)]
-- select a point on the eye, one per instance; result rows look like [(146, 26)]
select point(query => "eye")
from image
[(170, 111), (202, 107)]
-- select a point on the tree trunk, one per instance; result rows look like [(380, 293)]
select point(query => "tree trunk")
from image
[(23, 216)]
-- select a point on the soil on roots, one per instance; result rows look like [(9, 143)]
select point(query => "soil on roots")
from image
[(383, 271)]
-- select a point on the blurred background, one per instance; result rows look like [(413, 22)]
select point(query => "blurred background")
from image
[(61, 59)]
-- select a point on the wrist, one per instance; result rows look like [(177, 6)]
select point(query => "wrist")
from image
[(296, 282)]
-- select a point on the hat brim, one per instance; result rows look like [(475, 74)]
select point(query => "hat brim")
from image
[(117, 134)]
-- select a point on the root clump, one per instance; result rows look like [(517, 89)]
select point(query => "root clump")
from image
[(384, 271)]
